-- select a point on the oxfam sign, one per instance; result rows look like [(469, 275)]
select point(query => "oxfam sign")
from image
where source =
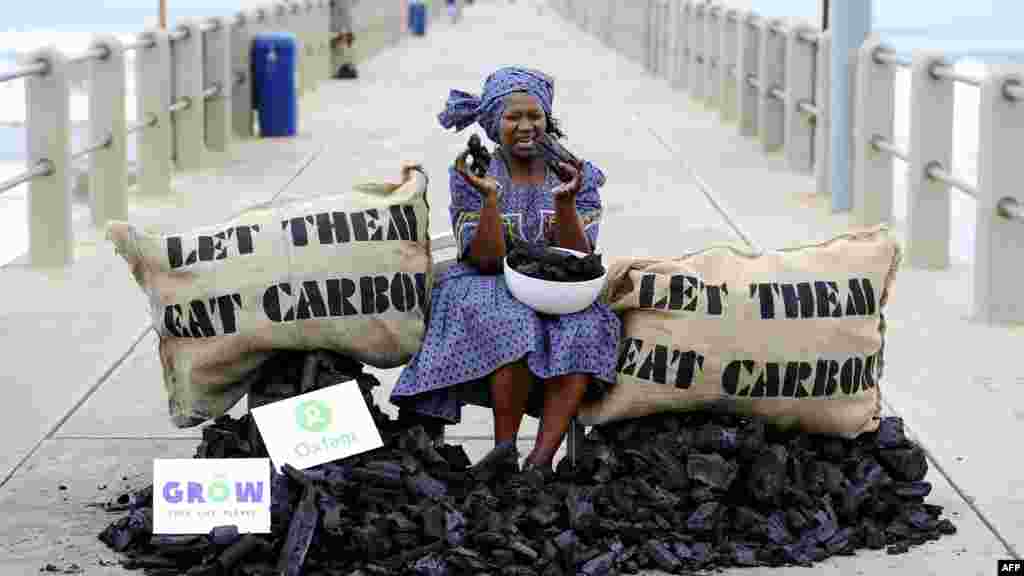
[(318, 426), (315, 416)]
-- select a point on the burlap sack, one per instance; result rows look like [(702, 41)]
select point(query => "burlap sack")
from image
[(349, 272), (795, 336)]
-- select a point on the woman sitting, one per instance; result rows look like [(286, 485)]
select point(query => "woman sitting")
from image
[(477, 329)]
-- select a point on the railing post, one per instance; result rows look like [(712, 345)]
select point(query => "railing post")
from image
[(312, 78), (666, 65), (747, 65), (874, 105), (697, 55), (321, 34), (650, 34), (296, 26), (850, 23), (683, 45), (217, 71), (711, 45), (726, 63), (799, 137), (241, 84), (108, 167), (189, 123), (153, 96), (999, 247), (50, 239), (771, 127), (823, 121), (931, 140)]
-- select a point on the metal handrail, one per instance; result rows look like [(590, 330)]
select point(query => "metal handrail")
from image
[(212, 91), (778, 28), (42, 168), (96, 53), (142, 125), (883, 144), (142, 41), (808, 37), (936, 172), (209, 26), (1013, 90), (808, 107), (777, 94), (40, 68), (179, 34), (886, 56), (947, 72), (753, 81), (1009, 208), (106, 142), (183, 103)]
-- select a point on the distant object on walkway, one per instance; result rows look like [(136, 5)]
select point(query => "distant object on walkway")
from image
[(274, 78)]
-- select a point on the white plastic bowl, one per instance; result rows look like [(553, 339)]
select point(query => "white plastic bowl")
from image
[(549, 297)]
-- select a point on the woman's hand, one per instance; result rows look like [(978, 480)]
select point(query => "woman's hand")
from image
[(487, 187), (572, 181), (407, 170)]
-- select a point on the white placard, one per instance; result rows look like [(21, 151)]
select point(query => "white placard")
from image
[(193, 496), (317, 427)]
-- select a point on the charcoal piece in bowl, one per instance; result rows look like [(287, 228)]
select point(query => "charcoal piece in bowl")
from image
[(552, 264)]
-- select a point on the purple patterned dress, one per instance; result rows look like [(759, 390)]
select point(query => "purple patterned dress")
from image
[(476, 326)]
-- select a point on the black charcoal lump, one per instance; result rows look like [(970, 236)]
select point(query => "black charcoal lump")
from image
[(675, 492), (554, 265)]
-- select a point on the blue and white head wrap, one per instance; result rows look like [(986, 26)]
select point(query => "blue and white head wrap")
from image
[(463, 109)]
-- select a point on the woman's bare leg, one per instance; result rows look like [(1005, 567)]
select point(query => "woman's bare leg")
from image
[(510, 391), (562, 397)]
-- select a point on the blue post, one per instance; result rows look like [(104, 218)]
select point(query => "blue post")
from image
[(850, 23)]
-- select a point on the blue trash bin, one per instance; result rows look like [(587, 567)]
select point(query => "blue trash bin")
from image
[(418, 18), (273, 79)]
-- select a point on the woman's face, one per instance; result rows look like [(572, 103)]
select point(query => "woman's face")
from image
[(523, 122)]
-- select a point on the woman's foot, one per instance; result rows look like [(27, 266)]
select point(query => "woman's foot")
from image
[(501, 461)]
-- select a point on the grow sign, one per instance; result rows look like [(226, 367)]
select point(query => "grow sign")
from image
[(194, 496), (317, 427)]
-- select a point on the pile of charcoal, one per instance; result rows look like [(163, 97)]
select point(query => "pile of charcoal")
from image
[(674, 492), (553, 264)]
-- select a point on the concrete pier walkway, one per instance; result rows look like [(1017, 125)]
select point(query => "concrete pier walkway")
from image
[(84, 403)]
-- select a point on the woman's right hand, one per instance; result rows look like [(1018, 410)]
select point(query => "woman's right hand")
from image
[(487, 187)]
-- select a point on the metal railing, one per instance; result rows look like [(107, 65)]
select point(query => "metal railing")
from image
[(718, 55), (200, 67)]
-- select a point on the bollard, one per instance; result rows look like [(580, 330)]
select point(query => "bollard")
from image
[(727, 66), (696, 44), (931, 140), (188, 122), (711, 46), (747, 64), (799, 75), (771, 121), (874, 105), (241, 84), (108, 166), (154, 146), (999, 247), (217, 71), (47, 122), (823, 123)]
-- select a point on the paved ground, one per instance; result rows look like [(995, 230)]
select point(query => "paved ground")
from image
[(95, 406)]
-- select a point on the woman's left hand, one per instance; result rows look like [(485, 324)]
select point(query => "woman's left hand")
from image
[(572, 180)]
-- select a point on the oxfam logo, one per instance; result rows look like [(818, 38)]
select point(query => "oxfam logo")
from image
[(313, 416)]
